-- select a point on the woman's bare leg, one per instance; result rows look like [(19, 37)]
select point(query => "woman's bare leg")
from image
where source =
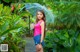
[(39, 48)]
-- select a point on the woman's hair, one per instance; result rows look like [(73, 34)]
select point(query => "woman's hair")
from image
[(44, 19)]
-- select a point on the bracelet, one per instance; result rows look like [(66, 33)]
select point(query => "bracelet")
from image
[(40, 43)]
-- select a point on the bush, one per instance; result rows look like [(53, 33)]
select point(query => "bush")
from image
[(12, 29), (66, 40)]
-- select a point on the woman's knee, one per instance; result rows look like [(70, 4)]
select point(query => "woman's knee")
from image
[(38, 47)]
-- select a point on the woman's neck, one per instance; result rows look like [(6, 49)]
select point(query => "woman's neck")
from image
[(40, 20)]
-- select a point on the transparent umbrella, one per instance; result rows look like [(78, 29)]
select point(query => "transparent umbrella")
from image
[(34, 7)]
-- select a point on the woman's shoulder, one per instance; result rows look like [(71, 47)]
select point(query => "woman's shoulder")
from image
[(42, 22)]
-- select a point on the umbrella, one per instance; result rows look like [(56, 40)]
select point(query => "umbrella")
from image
[(34, 7)]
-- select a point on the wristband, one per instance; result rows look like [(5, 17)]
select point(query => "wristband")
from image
[(40, 43)]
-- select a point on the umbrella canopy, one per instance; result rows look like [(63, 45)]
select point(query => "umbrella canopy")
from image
[(34, 7)]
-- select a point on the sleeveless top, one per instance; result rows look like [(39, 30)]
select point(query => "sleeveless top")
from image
[(37, 29)]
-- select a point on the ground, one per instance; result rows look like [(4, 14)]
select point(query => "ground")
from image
[(30, 46)]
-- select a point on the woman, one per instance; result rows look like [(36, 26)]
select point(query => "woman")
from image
[(39, 31)]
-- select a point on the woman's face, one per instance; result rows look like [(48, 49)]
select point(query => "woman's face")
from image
[(39, 15)]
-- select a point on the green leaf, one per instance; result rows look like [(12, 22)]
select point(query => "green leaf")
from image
[(7, 31)]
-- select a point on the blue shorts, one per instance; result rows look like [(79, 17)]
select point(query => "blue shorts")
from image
[(37, 40)]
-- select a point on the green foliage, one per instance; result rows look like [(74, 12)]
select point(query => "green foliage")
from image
[(7, 1), (67, 14), (62, 41), (64, 34), (12, 29)]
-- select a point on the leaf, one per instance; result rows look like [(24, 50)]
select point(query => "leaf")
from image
[(7, 31), (7, 1)]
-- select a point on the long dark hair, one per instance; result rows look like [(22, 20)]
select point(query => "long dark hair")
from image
[(44, 19)]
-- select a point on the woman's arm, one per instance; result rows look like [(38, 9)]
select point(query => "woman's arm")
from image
[(42, 31), (32, 26)]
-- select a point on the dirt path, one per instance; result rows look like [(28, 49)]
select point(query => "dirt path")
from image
[(30, 46)]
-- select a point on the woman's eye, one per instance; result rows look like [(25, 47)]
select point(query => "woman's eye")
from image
[(37, 14)]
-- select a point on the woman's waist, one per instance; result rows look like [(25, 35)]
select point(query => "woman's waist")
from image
[(35, 34), (37, 31)]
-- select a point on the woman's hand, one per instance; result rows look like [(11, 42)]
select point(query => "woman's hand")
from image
[(32, 26)]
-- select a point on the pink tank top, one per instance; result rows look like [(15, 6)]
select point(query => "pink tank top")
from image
[(37, 29)]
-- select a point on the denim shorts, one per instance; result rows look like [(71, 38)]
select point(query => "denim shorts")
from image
[(37, 40)]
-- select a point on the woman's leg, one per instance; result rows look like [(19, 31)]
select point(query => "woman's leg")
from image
[(39, 48)]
